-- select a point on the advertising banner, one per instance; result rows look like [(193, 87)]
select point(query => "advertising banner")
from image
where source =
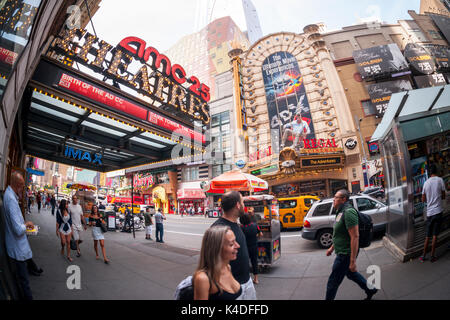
[(380, 93), (441, 55), (420, 60), (380, 61), (431, 80), (287, 103)]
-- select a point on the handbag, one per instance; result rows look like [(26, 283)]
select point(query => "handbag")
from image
[(103, 227), (73, 245)]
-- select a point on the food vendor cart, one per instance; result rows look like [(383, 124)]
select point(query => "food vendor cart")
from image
[(269, 245), (86, 196)]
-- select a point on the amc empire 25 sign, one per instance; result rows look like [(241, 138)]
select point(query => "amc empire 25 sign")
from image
[(156, 78)]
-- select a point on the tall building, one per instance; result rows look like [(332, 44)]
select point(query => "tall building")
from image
[(205, 53), (254, 30), (435, 6)]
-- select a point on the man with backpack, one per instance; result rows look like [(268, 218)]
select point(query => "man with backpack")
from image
[(346, 244)]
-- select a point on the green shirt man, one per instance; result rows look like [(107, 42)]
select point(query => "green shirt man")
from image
[(341, 237)]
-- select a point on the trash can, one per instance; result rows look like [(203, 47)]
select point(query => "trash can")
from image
[(111, 220)]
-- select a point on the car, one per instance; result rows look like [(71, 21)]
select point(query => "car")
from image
[(375, 192), (319, 221)]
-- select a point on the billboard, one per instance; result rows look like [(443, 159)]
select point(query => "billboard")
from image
[(420, 60), (431, 80), (441, 55), (287, 103), (380, 93), (380, 61)]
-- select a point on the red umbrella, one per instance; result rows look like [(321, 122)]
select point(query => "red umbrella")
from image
[(237, 180)]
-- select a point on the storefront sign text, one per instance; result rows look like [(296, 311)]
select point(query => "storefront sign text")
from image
[(321, 162), (81, 155), (143, 181), (163, 82)]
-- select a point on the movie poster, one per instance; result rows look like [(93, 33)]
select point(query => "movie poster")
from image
[(286, 99)]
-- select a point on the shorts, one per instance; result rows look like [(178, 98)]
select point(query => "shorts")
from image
[(148, 230), (434, 225), (76, 232)]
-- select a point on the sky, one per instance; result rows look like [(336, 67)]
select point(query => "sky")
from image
[(162, 23)]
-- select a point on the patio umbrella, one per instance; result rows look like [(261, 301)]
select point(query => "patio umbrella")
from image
[(237, 180)]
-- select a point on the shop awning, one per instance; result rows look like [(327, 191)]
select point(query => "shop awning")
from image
[(191, 194), (421, 113)]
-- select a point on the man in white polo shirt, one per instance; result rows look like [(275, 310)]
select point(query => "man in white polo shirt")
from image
[(433, 193), (78, 221)]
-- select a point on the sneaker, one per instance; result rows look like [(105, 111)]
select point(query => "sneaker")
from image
[(371, 294), (433, 259), (423, 259)]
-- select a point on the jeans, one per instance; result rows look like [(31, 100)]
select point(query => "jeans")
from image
[(160, 232), (253, 255), (22, 279), (340, 270)]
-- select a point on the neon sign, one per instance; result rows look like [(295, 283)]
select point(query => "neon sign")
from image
[(159, 80), (81, 155)]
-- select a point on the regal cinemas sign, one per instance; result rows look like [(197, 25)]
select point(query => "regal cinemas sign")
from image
[(320, 146), (140, 67)]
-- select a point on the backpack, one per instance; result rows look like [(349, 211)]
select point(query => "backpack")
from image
[(185, 290), (365, 227)]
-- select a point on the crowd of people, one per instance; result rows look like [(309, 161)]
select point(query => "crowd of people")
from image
[(228, 247)]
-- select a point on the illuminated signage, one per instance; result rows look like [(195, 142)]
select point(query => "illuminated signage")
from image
[(96, 94), (16, 17), (159, 80), (81, 155), (266, 170), (143, 181), (321, 162), (260, 154), (239, 94)]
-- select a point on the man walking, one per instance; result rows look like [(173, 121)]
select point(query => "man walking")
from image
[(433, 193), (39, 201), (53, 204), (346, 246), (159, 217), (76, 212), (233, 207), (148, 223), (127, 223), (17, 245)]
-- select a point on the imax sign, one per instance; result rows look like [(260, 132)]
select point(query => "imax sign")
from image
[(81, 155)]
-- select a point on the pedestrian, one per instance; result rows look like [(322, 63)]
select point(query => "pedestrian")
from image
[(47, 199), (233, 207), (252, 215), (181, 211), (95, 220), (78, 222), (213, 279), (433, 193), (127, 224), (64, 227), (346, 247), (39, 201), (53, 204), (148, 223), (17, 246), (251, 232), (159, 217)]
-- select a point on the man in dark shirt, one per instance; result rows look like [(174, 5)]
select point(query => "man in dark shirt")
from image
[(233, 207)]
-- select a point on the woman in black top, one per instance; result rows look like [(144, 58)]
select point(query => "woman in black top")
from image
[(251, 231), (95, 220), (213, 279)]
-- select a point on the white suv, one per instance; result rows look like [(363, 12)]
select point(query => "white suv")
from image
[(319, 221)]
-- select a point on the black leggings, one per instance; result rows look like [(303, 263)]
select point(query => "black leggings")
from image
[(253, 254)]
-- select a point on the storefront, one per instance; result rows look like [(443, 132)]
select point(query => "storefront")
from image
[(191, 198), (407, 153)]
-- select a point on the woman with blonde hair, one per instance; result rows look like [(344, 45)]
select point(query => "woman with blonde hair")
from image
[(213, 279)]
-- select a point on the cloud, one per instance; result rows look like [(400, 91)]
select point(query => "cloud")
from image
[(373, 12)]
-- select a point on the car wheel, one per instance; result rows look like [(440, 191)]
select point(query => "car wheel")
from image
[(325, 238)]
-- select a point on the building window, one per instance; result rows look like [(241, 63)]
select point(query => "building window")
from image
[(435, 35), (190, 174), (369, 108), (220, 138)]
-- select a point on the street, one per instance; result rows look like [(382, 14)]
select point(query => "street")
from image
[(143, 269)]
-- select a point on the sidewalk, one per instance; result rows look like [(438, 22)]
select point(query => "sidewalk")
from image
[(142, 269)]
